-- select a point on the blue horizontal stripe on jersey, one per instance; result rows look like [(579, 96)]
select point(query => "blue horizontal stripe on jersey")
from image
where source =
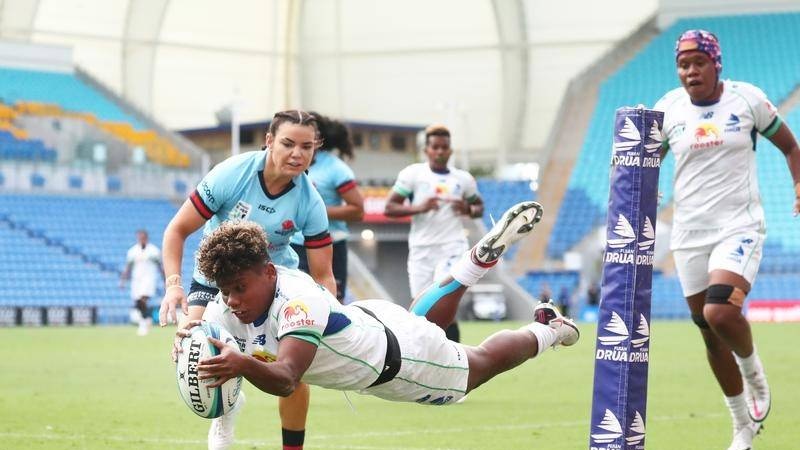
[(336, 323)]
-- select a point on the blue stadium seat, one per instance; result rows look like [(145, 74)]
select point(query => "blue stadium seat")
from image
[(650, 74)]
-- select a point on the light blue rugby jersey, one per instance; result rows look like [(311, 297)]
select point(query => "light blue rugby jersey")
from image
[(332, 178), (235, 190)]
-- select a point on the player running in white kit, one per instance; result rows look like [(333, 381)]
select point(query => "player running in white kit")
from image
[(719, 229)]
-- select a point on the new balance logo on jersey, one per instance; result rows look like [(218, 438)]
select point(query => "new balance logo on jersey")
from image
[(707, 115), (610, 429), (637, 430)]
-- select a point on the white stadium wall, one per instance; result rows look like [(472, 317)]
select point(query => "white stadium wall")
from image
[(494, 70)]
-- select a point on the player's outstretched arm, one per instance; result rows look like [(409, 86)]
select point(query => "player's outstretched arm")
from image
[(186, 221), (277, 378)]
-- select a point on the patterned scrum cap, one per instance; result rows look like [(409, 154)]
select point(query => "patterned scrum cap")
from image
[(703, 41)]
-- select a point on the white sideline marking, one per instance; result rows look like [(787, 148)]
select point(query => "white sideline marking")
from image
[(317, 440)]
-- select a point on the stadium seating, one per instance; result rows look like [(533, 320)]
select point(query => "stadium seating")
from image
[(749, 55), (42, 93), (668, 301), (70, 250), (556, 281), (13, 148), (63, 89)]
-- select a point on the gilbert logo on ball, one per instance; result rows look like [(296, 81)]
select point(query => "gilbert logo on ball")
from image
[(205, 401)]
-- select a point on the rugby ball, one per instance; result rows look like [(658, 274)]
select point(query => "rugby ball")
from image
[(204, 401)]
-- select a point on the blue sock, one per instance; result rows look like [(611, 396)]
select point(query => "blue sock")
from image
[(432, 295)]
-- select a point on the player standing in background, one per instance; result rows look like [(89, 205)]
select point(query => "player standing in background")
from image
[(337, 185), (142, 268), (270, 188), (718, 232), (438, 196)]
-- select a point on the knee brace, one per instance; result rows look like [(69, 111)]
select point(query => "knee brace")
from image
[(721, 294), (700, 321)]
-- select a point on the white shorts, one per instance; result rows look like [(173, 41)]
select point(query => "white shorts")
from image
[(434, 370), (431, 262), (737, 251)]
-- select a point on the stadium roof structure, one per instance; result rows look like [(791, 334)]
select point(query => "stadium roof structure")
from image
[(493, 71)]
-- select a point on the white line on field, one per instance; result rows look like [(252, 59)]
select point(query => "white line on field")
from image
[(317, 440)]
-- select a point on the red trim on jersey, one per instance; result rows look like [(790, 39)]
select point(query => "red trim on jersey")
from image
[(346, 186), (200, 205), (318, 241)]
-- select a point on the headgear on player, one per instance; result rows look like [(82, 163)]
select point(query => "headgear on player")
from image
[(703, 41)]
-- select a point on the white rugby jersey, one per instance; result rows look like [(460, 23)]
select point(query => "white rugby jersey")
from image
[(351, 345), (145, 269), (419, 183), (716, 184)]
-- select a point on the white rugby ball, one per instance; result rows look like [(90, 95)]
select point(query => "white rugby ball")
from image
[(204, 401)]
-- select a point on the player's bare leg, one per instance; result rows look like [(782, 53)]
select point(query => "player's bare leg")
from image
[(294, 411), (507, 349)]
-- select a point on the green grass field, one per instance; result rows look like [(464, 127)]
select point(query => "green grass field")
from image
[(106, 388)]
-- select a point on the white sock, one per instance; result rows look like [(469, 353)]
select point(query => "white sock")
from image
[(749, 366), (738, 408), (545, 335), (467, 272)]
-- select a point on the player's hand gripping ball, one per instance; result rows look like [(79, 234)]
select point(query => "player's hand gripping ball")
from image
[(204, 401)]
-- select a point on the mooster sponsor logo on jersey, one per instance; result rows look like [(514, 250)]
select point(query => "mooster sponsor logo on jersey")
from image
[(628, 138), (612, 337), (620, 250)]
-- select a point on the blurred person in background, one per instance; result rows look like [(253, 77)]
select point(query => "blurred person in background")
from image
[(438, 196), (272, 189), (718, 233), (142, 268), (336, 183)]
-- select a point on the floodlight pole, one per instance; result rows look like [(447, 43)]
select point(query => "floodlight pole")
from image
[(235, 126)]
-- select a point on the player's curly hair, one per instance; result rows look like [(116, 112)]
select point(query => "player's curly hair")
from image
[(231, 249)]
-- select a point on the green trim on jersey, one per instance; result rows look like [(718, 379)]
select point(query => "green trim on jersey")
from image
[(434, 364), (773, 128), (431, 387), (312, 338), (306, 331), (401, 191), (360, 361)]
